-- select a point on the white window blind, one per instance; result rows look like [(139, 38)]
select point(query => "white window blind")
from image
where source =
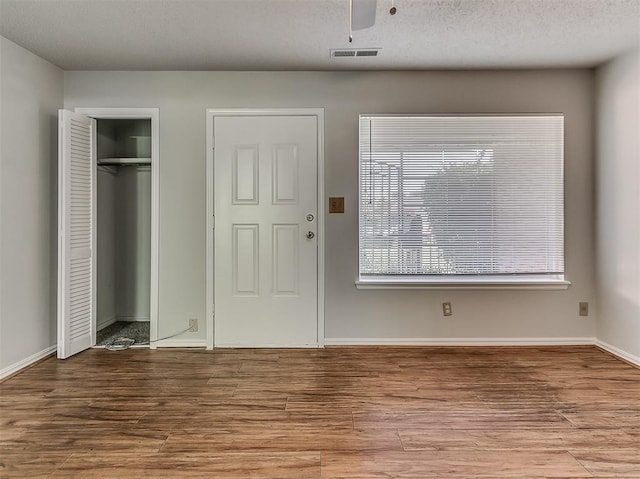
[(461, 195)]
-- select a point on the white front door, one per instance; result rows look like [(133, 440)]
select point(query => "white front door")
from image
[(77, 233), (265, 236)]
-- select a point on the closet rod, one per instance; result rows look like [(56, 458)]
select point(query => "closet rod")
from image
[(124, 161), (107, 163)]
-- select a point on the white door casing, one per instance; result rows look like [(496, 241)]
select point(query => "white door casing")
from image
[(267, 242), (76, 233)]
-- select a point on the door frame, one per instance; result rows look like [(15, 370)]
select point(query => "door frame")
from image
[(152, 114), (211, 114)]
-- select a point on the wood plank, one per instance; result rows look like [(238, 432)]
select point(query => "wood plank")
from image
[(196, 465), (282, 439), (31, 465), (469, 419), (604, 419), (451, 464), (71, 438), (212, 419), (517, 439), (612, 463)]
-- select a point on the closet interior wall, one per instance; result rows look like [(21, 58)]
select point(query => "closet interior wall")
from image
[(123, 224)]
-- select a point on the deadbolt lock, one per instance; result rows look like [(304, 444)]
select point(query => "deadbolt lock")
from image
[(310, 217)]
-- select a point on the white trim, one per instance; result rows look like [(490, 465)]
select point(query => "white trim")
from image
[(209, 250), (134, 319), (105, 322), (154, 115), (182, 343), (465, 284), (266, 346), (211, 113), (321, 228), (619, 353), (25, 363), (265, 112), (577, 341)]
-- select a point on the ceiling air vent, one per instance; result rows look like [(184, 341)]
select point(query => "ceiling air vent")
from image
[(354, 52), (367, 53)]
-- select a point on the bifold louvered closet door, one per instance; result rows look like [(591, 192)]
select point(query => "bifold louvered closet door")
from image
[(77, 228)]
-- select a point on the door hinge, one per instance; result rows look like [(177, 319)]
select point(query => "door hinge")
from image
[(213, 142), (213, 222)]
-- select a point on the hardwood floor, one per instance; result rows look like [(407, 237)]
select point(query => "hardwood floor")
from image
[(564, 412)]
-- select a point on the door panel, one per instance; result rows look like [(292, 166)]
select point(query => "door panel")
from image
[(285, 175), (286, 259), (76, 242), (245, 175), (265, 176), (246, 259)]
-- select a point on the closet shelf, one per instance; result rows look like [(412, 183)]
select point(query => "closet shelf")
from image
[(124, 161)]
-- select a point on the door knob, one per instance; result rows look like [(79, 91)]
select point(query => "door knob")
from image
[(310, 234)]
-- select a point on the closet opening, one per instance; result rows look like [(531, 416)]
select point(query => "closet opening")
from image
[(123, 293)]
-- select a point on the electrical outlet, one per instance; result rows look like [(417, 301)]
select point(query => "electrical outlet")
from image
[(584, 309), (446, 309), (193, 325)]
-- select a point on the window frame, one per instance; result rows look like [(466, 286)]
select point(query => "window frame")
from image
[(452, 281)]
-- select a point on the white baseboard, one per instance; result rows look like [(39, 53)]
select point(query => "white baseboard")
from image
[(459, 341), (109, 321), (132, 319), (266, 346), (103, 323), (181, 343), (16, 367), (619, 353)]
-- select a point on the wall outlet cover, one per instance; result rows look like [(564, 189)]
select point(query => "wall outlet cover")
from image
[(193, 325), (583, 308)]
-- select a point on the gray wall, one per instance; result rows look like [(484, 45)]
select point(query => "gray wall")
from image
[(31, 91), (106, 247), (133, 244), (183, 97), (618, 201)]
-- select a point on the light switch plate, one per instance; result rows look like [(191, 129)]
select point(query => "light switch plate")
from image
[(336, 204)]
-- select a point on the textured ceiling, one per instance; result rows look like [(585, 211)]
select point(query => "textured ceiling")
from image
[(299, 34)]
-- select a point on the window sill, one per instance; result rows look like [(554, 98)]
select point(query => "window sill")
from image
[(476, 283)]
